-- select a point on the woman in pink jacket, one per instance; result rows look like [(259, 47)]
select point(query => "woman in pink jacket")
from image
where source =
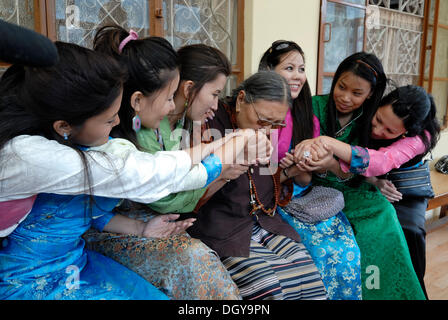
[(404, 129)]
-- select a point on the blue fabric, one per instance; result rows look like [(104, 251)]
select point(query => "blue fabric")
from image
[(415, 166), (213, 166), (332, 245), (45, 256), (360, 160)]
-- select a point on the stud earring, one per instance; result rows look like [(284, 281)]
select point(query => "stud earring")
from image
[(136, 123)]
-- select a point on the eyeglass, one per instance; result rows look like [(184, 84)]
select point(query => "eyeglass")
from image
[(266, 122)]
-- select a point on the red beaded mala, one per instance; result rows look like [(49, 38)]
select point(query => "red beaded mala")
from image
[(254, 199)]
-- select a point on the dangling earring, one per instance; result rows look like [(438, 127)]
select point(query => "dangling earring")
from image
[(136, 123), (186, 104), (237, 107), (65, 136)]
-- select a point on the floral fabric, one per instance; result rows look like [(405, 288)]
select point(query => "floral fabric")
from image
[(182, 267)]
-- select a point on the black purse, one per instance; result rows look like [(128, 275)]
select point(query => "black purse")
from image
[(414, 182)]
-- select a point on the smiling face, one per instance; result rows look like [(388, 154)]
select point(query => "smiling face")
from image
[(386, 124), (153, 108), (251, 113), (292, 68), (206, 101), (95, 130), (350, 92)]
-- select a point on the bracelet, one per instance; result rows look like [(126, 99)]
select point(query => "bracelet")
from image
[(286, 173)]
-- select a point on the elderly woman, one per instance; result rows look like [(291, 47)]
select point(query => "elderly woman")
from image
[(262, 252)]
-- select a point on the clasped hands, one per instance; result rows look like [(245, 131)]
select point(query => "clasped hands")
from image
[(309, 155)]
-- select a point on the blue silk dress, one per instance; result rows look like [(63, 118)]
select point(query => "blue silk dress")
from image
[(45, 256), (332, 245)]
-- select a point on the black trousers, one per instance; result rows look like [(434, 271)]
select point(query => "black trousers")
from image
[(411, 214)]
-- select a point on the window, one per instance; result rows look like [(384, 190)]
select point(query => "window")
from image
[(342, 33), (218, 23), (434, 69), (390, 29)]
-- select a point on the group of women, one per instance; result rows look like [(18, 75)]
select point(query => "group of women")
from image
[(115, 187)]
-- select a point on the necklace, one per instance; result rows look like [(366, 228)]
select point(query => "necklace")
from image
[(341, 131), (255, 200)]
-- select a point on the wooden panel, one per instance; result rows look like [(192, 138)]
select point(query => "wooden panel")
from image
[(439, 183)]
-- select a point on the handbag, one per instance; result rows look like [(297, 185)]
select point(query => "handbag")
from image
[(415, 182), (318, 204), (442, 165)]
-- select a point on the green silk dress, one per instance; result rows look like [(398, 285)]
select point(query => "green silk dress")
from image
[(386, 266), (180, 202)]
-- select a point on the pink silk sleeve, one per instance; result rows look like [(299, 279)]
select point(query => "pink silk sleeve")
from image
[(316, 126), (14, 210), (390, 157)]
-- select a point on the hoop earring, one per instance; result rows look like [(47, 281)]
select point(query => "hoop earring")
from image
[(136, 123)]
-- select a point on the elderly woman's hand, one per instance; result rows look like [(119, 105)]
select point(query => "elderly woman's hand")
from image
[(258, 148)]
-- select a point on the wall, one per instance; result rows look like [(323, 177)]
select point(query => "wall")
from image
[(268, 20), (296, 20)]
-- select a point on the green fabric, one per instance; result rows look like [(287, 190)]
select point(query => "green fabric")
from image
[(377, 231), (180, 202)]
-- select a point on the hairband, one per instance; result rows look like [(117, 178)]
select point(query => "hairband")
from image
[(132, 36), (368, 66)]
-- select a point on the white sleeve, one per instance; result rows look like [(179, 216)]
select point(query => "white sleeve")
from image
[(32, 164)]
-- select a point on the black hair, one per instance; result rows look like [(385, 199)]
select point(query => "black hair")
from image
[(302, 109), (81, 85), (418, 111), (368, 67), (201, 64), (151, 63)]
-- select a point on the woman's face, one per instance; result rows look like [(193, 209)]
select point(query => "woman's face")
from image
[(206, 101), (386, 124), (95, 130), (350, 92), (251, 113), (292, 68), (155, 107)]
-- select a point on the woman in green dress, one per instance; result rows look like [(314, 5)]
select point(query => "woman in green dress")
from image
[(387, 271)]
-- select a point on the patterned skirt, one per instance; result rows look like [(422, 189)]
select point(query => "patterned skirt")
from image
[(333, 246), (182, 267), (278, 268)]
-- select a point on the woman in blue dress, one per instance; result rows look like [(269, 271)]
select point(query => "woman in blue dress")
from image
[(331, 241), (45, 256)]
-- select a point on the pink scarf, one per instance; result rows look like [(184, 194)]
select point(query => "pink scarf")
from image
[(285, 134)]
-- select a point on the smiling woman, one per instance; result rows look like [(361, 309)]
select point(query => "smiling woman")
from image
[(186, 268)]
